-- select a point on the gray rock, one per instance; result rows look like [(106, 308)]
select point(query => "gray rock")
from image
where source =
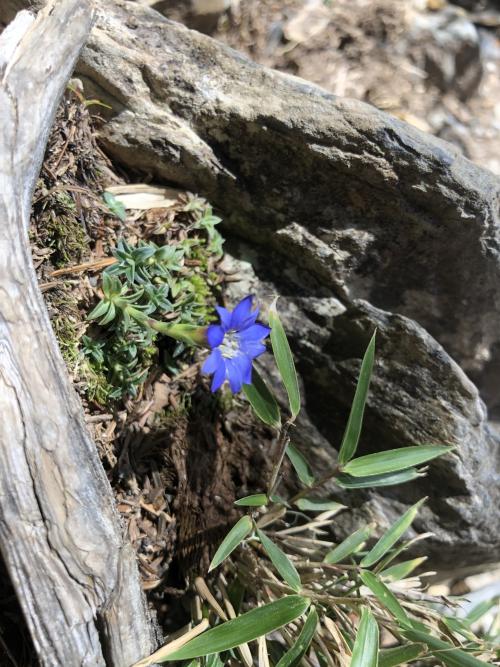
[(448, 48), (418, 394), (358, 220)]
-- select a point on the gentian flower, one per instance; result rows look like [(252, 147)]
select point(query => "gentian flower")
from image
[(235, 343)]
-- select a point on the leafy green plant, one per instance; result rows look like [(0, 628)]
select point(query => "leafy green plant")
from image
[(148, 291), (306, 590)]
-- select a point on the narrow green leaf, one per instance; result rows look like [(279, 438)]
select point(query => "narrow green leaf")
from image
[(284, 360), (444, 651), (257, 500), (458, 626), (394, 553), (108, 284), (115, 206), (314, 505), (213, 660), (392, 535), (280, 561), (391, 479), (393, 460), (110, 315), (479, 610), (350, 545), (235, 536), (385, 596), (243, 629), (262, 400), (295, 654), (98, 311), (365, 650), (300, 466), (402, 570), (355, 421), (391, 657)]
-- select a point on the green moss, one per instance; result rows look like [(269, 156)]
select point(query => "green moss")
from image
[(66, 332), (68, 239), (98, 389), (59, 228)]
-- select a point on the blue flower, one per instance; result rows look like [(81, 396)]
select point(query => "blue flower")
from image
[(235, 343)]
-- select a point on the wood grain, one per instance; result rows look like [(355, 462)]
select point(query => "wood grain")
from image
[(60, 536)]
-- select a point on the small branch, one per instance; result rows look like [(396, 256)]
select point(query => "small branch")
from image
[(316, 485), (87, 266)]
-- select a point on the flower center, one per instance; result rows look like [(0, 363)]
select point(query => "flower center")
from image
[(230, 346)]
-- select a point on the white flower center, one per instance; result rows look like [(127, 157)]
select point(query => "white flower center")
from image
[(230, 346)]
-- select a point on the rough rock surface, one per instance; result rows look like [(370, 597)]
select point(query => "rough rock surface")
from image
[(358, 220)]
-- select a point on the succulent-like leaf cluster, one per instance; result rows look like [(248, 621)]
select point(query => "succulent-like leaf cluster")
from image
[(151, 280)]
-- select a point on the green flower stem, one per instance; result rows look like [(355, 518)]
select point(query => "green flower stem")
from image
[(187, 333), (283, 441), (316, 485)]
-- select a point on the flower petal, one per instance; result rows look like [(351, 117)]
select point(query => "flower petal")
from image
[(242, 313), (247, 376), (237, 371), (225, 317), (255, 332), (212, 362), (215, 335), (252, 348), (219, 376)]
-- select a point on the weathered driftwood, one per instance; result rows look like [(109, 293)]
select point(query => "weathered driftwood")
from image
[(337, 202), (60, 537)]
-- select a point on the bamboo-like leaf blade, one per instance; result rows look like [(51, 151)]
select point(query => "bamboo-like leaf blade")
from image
[(300, 466), (460, 627), (295, 654), (284, 360), (444, 651), (404, 546), (315, 505), (392, 657), (479, 610), (355, 421), (350, 545), (385, 596), (243, 629), (214, 660), (365, 650), (262, 400), (393, 460), (280, 561), (402, 570), (256, 500), (390, 479), (235, 537), (392, 535)]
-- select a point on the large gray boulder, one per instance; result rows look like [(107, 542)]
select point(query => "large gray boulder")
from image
[(359, 221)]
